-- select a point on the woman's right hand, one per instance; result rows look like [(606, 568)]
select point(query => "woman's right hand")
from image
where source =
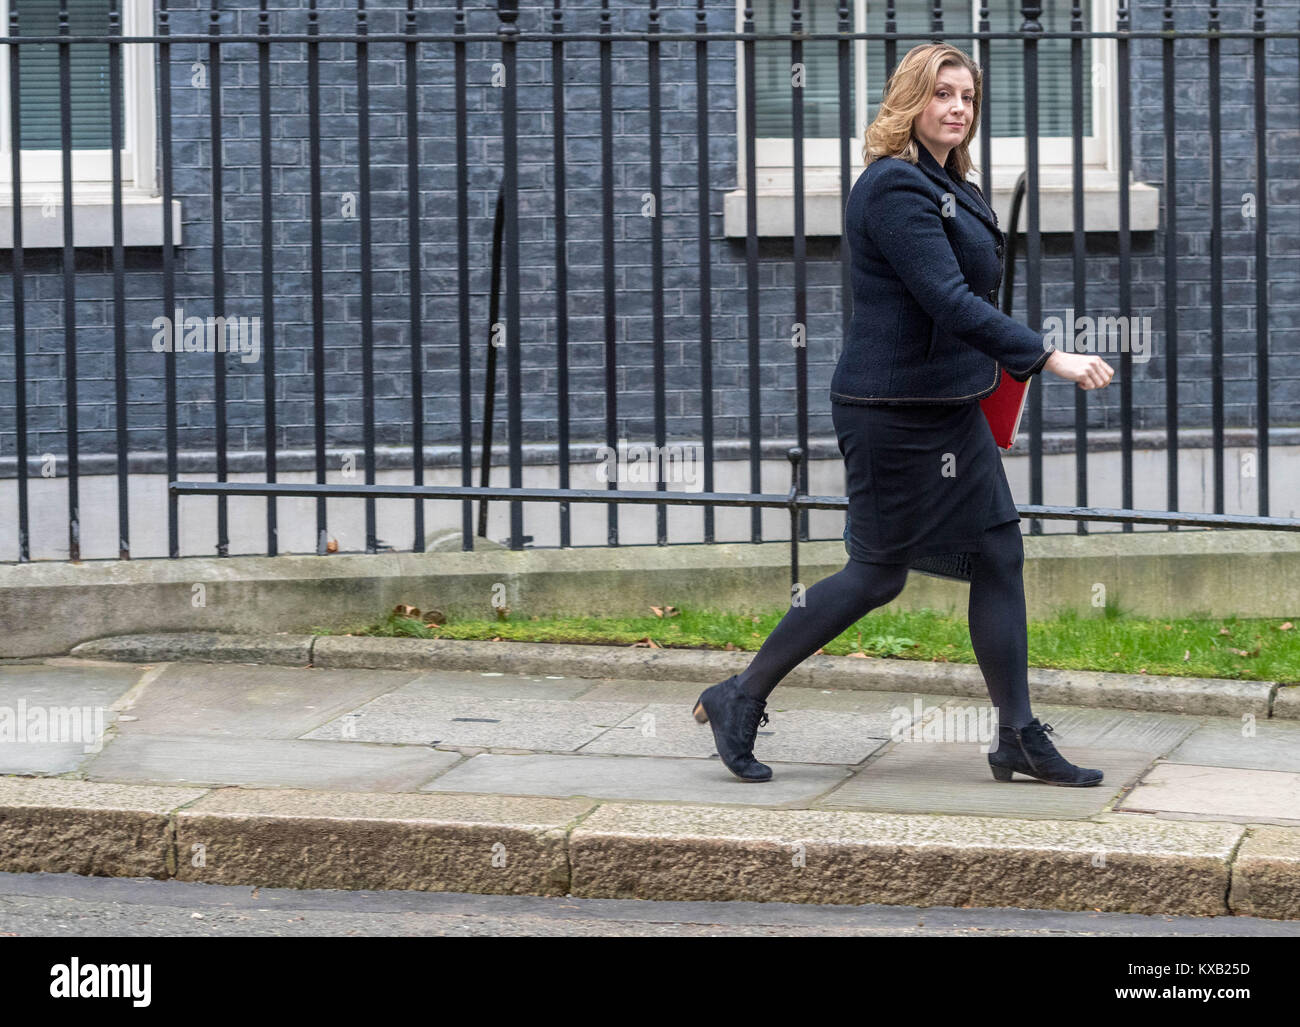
[(1085, 369)]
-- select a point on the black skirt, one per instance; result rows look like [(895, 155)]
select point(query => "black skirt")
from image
[(924, 482)]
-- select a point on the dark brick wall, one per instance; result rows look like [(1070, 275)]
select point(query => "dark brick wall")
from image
[(678, 209)]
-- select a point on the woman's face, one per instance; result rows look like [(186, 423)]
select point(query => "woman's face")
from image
[(947, 118)]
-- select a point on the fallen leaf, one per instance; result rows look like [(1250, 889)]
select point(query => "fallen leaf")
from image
[(1187, 655), (1224, 631), (1287, 626)]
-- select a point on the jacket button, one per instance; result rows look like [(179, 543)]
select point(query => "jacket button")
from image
[(1001, 249)]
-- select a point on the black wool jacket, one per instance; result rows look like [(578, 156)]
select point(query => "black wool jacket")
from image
[(926, 255)]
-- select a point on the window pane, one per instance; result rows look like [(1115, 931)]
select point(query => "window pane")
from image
[(40, 99), (821, 92), (1004, 88), (911, 16)]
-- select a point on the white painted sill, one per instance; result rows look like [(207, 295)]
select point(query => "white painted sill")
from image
[(824, 216), (92, 218)]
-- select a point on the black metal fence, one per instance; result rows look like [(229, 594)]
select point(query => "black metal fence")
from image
[(477, 342)]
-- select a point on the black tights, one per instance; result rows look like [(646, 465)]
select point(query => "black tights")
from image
[(996, 615)]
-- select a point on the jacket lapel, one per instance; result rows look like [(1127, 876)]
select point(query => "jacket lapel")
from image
[(965, 192)]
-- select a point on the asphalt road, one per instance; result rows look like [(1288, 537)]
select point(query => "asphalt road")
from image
[(66, 905)]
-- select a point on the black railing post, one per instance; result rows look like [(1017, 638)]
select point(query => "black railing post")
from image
[(751, 273), (607, 251), (319, 409), (561, 267), (1079, 252), (119, 285), (269, 419), (795, 455), (69, 268), (706, 256), (20, 295), (800, 337), (462, 280), (1261, 257), (1125, 111), (508, 12), (1215, 158), (367, 270), (1030, 30), (1170, 190), (413, 261), (169, 267), (215, 140)]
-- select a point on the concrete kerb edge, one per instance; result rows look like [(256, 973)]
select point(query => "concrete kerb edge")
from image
[(1095, 689), (1201, 877)]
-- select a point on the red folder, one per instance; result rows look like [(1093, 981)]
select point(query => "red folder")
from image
[(1004, 408)]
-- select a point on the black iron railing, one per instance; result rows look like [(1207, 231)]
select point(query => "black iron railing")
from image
[(643, 44)]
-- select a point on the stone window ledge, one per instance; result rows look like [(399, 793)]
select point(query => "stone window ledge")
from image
[(92, 218), (823, 213)]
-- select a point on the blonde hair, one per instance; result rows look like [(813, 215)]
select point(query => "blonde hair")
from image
[(908, 92)]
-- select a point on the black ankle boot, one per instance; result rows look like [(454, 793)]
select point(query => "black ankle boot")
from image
[(1029, 751), (735, 717)]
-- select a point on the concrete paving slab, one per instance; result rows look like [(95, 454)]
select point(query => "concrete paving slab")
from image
[(954, 777), (541, 724), (269, 763), (288, 838), (53, 715), (631, 690), (1131, 730), (1221, 793), (850, 700), (251, 702), (698, 852), (60, 826), (1250, 745), (1266, 874), (634, 777), (845, 700), (42, 757), (496, 685), (795, 736)]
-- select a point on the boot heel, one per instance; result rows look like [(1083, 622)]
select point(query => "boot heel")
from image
[(700, 713), (1000, 773)]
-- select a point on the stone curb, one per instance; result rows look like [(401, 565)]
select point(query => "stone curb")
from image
[(1098, 689), (697, 853), (197, 647), (519, 845), (1266, 874)]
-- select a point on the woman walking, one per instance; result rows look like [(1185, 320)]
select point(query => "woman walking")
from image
[(924, 476)]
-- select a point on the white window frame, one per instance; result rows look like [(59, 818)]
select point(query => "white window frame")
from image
[(93, 166), (774, 156), (92, 170)]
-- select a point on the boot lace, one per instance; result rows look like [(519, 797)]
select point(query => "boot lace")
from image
[(755, 717)]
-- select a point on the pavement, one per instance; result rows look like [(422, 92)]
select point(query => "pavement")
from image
[(295, 762)]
